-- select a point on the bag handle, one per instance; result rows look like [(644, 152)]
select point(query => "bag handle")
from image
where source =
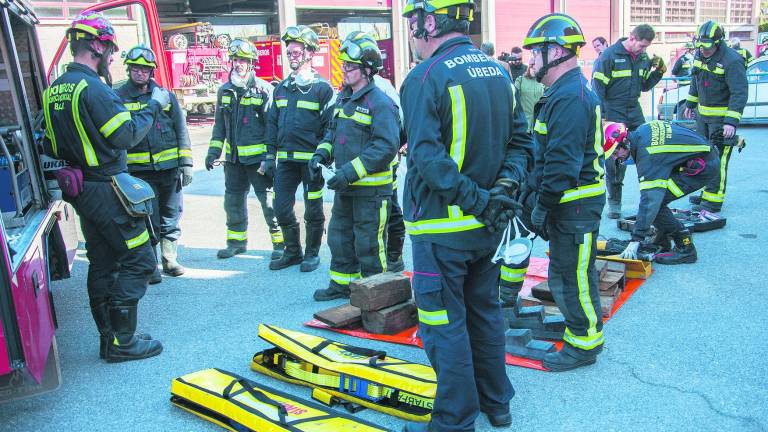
[(257, 394)]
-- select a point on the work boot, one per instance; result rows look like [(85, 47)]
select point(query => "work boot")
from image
[(500, 420), (684, 251), (311, 258), (125, 346), (278, 245), (171, 267), (417, 427), (333, 292), (100, 312), (292, 253), (662, 241), (694, 199), (396, 266), (230, 251), (614, 209), (155, 278), (395, 253), (570, 357)]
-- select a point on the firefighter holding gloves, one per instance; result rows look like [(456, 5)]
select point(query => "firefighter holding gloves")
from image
[(363, 140)]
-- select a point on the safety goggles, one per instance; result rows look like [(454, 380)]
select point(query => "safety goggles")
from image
[(293, 32), (704, 43), (239, 48), (138, 53)]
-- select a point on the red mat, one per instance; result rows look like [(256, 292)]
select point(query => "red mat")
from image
[(537, 273)]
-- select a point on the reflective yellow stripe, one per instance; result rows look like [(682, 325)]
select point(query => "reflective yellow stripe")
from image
[(185, 153), (733, 114), (295, 155), (433, 318), (90, 153), (281, 103), (359, 117), (344, 278), (216, 144), (601, 77), (598, 145), (712, 111), (227, 147), (49, 132), (712, 197), (134, 106), (251, 101), (674, 188), (443, 225), (250, 150), (540, 127), (308, 105), (375, 179), (166, 155), (357, 164), (593, 337), (237, 235), (662, 184), (626, 73), (584, 342), (137, 241), (226, 99), (458, 125), (512, 274), (717, 70), (139, 158), (692, 98), (383, 214), (277, 237), (671, 148), (719, 196), (315, 194), (327, 147), (582, 192)]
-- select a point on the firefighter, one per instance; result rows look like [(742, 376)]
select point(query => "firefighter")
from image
[(301, 112), (736, 45), (625, 70), (163, 158), (718, 93), (240, 130), (363, 141), (567, 185), (467, 152), (672, 161), (88, 126), (683, 65)]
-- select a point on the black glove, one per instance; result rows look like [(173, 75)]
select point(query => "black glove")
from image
[(314, 167), (539, 222), (339, 182), (268, 166), (506, 186), (209, 160), (499, 211)]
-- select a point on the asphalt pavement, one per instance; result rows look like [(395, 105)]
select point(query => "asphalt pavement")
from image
[(684, 353)]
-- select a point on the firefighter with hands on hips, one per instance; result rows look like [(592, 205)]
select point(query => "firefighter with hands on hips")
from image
[(683, 65), (362, 141), (672, 161), (87, 125), (567, 186), (718, 95), (296, 122), (163, 158), (240, 131), (624, 72), (468, 151)]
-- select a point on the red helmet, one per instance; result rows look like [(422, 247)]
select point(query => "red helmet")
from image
[(615, 134), (93, 25)]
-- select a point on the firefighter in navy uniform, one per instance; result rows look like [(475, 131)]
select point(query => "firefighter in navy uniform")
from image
[(736, 46), (672, 161), (240, 131), (468, 150), (297, 120), (163, 158), (683, 65), (362, 141), (88, 126), (718, 93), (625, 71), (568, 186)]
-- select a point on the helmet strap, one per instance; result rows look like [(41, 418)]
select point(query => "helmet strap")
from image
[(421, 32), (102, 67), (546, 65)]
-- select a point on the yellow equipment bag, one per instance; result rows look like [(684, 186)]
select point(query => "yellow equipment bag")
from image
[(338, 372), (241, 405)]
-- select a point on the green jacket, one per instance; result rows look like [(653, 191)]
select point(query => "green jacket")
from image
[(530, 92)]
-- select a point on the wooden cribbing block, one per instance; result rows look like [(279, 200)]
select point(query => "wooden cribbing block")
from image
[(602, 267), (542, 292), (380, 291), (345, 315), (391, 320), (612, 279)]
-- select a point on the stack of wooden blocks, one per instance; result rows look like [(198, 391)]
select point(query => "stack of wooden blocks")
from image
[(380, 303)]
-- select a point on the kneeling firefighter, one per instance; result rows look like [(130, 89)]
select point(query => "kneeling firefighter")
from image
[(362, 140), (567, 185), (163, 158), (87, 125), (240, 129), (672, 162)]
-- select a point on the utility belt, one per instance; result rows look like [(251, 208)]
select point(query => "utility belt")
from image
[(344, 374)]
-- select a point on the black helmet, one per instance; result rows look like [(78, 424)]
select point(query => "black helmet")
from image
[(709, 34), (141, 55), (558, 29), (360, 47), (243, 49)]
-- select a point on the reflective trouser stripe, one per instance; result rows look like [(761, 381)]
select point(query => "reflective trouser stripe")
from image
[(137, 241), (383, 213), (433, 318), (237, 235), (315, 194), (512, 274), (90, 153), (344, 278), (277, 237), (668, 184), (719, 195), (593, 337)]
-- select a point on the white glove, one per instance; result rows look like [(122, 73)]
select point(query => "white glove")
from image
[(186, 176), (631, 251), (162, 96)]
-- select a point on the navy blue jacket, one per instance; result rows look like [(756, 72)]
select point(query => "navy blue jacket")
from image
[(719, 87)]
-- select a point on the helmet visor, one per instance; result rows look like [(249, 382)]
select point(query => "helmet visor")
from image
[(138, 53), (292, 33), (352, 50)]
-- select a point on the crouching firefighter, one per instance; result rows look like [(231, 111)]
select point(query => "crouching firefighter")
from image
[(163, 158), (467, 150), (568, 186), (672, 161), (240, 131), (362, 140), (297, 120), (88, 126)]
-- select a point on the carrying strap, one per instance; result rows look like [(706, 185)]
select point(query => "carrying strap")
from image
[(257, 394), (373, 355)]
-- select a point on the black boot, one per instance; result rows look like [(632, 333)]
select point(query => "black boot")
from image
[(292, 253), (278, 244), (662, 241), (395, 253), (694, 199), (125, 346), (684, 251), (100, 312), (231, 250), (333, 292), (311, 254), (570, 357)]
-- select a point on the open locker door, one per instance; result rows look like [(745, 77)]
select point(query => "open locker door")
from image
[(135, 22)]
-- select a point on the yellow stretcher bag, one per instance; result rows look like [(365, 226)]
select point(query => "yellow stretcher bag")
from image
[(241, 405), (346, 374)]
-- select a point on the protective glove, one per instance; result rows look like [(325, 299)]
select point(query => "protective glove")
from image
[(186, 176), (314, 167), (209, 160), (339, 182), (162, 96), (267, 168), (658, 63), (631, 251), (499, 211), (505, 186), (539, 222)]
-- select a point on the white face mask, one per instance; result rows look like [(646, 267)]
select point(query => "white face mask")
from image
[(304, 77), (514, 251), (238, 80)]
